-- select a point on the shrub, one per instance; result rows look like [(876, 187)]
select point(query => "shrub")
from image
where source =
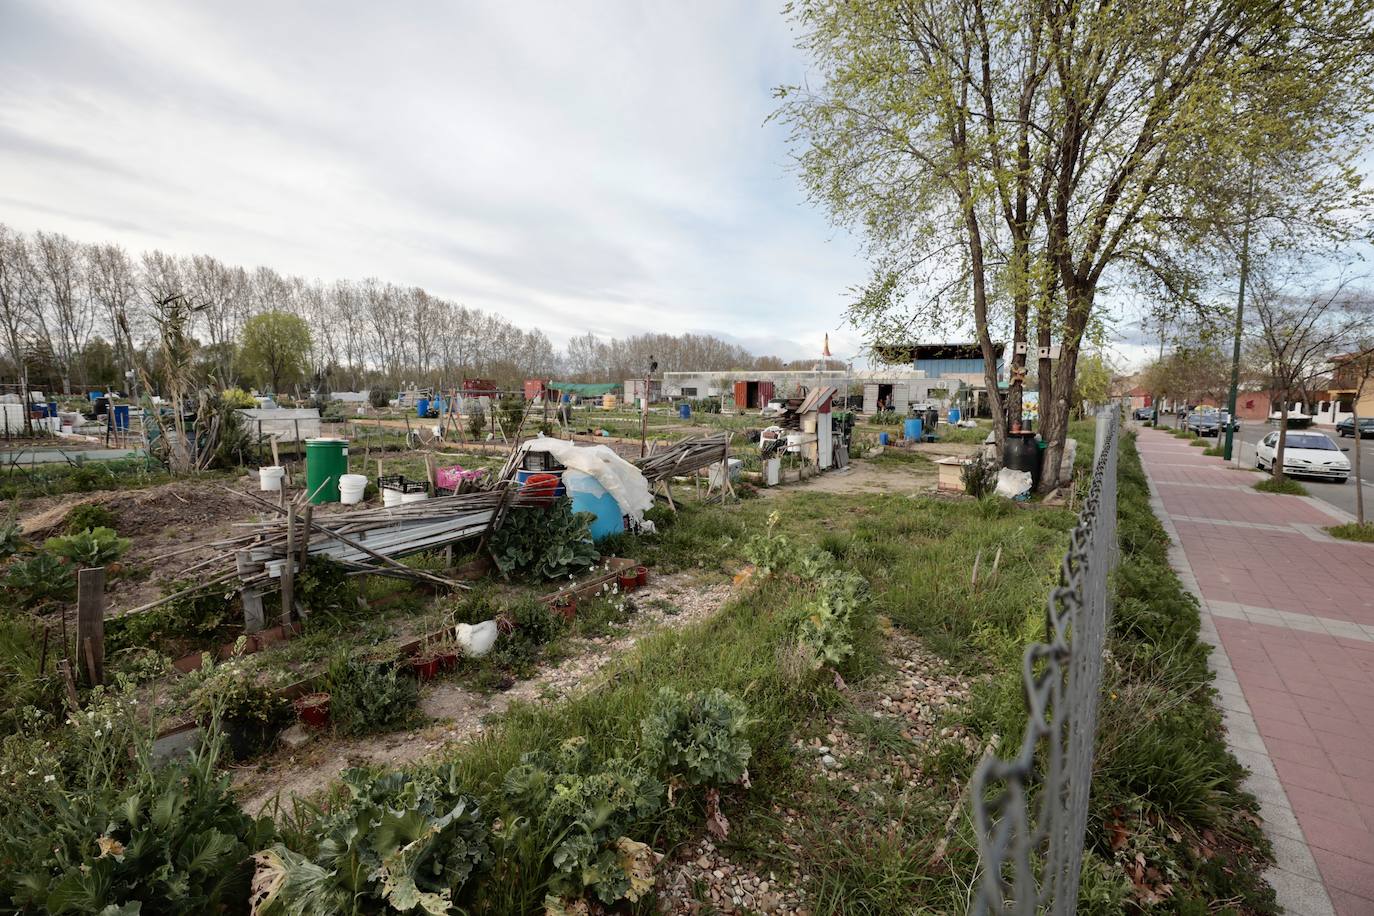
[(398, 843), (512, 413), (379, 398), (198, 618), (237, 399), (40, 579), (535, 622), (477, 422), (251, 712), (366, 697), (544, 543), (11, 540), (699, 737), (325, 588), (92, 547), (979, 476), (89, 515)]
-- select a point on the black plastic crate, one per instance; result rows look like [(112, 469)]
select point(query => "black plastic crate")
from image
[(402, 483)]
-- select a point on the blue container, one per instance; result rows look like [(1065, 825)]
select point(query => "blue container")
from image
[(96, 395), (121, 416), (522, 476), (439, 406), (52, 408), (954, 415), (422, 407), (912, 429), (589, 496), (884, 438), (684, 410)]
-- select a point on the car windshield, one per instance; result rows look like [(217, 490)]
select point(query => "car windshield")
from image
[(1308, 440)]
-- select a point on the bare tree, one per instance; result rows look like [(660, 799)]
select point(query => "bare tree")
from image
[(17, 282), (220, 293), (113, 283), (1298, 332), (65, 300)]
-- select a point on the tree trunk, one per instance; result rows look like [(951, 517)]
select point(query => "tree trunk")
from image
[(1277, 469)]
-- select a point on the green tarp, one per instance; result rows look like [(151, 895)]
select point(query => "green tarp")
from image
[(584, 389)]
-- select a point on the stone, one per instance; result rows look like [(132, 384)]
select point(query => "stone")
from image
[(296, 737)]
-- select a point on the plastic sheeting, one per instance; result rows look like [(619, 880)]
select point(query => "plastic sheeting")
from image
[(622, 480), (1013, 484)]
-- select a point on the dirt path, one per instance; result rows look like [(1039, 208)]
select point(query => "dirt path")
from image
[(456, 713), (863, 476)]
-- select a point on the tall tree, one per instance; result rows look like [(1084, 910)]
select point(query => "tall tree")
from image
[(17, 281), (276, 349), (1003, 156)]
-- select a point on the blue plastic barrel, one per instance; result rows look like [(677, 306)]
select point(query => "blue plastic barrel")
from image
[(121, 416), (96, 395), (954, 415), (52, 408), (884, 438), (912, 429), (422, 407), (522, 475), (684, 410), (589, 496)]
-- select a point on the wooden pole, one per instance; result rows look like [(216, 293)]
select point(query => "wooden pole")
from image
[(90, 621), (288, 575), (306, 514)]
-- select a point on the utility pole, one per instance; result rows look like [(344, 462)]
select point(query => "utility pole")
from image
[(644, 405), (1240, 316)]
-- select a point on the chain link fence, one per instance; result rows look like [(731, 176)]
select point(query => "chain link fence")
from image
[(1031, 811)]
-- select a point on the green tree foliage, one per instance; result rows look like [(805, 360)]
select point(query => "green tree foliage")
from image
[(1007, 160), (276, 349)]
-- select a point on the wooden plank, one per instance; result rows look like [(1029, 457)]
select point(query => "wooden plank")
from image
[(288, 571), (90, 621)]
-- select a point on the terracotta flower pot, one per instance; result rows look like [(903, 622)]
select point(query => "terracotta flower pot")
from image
[(642, 575), (313, 709), (426, 667), (566, 607), (448, 659), (629, 581)]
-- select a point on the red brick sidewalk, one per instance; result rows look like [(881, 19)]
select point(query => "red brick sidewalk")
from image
[(1292, 613)]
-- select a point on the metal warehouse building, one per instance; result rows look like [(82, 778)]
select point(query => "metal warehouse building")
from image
[(753, 388)]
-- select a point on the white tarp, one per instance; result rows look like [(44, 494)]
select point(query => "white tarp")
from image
[(618, 477), (1013, 484)]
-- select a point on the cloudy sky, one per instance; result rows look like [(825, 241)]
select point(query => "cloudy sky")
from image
[(575, 166)]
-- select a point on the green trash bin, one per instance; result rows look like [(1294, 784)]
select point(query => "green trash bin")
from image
[(326, 460)]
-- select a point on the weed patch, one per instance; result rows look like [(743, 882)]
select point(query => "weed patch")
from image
[(1353, 532), (1286, 486)]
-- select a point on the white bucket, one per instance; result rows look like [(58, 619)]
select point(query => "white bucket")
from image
[(351, 487), (270, 476), (391, 498), (414, 497), (66, 429)]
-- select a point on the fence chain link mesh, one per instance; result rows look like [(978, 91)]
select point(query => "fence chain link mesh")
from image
[(1031, 811)]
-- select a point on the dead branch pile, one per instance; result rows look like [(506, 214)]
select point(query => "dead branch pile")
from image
[(685, 456)]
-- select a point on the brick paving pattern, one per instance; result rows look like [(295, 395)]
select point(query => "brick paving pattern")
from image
[(1292, 612)]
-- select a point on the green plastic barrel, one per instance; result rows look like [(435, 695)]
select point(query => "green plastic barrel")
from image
[(326, 460)]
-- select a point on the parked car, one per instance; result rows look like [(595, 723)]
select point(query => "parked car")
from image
[(1210, 422), (1305, 454), (1347, 427), (1143, 413)]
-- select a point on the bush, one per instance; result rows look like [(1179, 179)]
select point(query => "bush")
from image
[(544, 543), (89, 548), (477, 422), (366, 697), (88, 515), (252, 713), (11, 540), (705, 405), (237, 399), (40, 579), (979, 476), (535, 622), (512, 413), (326, 590), (379, 398), (199, 618)]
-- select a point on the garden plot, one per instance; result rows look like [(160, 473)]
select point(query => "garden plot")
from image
[(455, 710)]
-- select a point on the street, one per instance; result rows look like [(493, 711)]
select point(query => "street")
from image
[(1342, 496)]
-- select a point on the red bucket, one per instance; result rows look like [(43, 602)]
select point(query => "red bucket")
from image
[(543, 486)]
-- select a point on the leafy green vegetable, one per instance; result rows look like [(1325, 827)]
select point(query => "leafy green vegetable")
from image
[(367, 697), (699, 737), (545, 543), (39, 579), (91, 547)]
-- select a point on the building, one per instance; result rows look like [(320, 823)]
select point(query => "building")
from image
[(634, 390), (956, 361), (1352, 376), (754, 388)]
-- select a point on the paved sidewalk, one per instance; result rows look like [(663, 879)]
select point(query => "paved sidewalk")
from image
[(1291, 612)]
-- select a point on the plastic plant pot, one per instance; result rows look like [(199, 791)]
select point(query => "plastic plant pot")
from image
[(629, 581), (313, 709), (566, 607), (448, 658), (641, 576)]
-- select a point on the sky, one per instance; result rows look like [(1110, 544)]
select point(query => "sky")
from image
[(600, 166)]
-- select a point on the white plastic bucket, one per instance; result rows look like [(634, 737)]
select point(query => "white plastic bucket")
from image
[(351, 487), (66, 429), (391, 497), (270, 476), (414, 497)]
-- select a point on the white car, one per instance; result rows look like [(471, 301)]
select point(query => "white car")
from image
[(1305, 454)]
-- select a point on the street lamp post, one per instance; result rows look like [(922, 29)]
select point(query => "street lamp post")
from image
[(1240, 316)]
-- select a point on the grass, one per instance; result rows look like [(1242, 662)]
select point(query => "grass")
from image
[(18, 482), (1283, 485), (1214, 451), (1353, 532)]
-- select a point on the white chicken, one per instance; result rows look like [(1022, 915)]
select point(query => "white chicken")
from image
[(476, 639)]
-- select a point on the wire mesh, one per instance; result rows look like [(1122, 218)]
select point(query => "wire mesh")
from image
[(1031, 811)]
